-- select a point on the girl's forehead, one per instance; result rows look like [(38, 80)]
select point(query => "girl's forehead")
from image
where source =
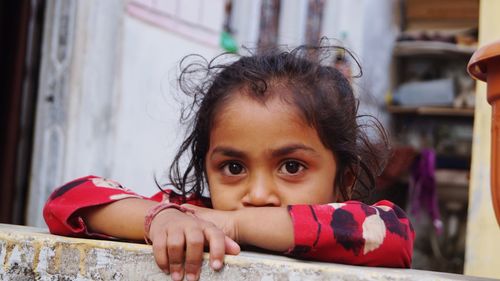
[(242, 102), (257, 129)]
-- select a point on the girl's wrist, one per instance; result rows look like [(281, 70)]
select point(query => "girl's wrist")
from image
[(239, 219), (270, 228), (155, 211), (234, 225)]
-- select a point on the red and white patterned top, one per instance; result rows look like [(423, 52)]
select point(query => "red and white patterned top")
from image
[(350, 232)]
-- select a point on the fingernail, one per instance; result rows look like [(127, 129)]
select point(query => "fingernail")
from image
[(166, 271), (216, 264), (176, 276), (191, 277)]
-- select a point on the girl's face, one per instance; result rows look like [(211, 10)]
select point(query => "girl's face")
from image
[(266, 155)]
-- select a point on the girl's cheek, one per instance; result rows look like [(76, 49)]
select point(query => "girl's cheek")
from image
[(224, 200)]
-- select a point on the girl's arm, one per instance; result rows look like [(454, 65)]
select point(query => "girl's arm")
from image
[(96, 207), (353, 233), (67, 208), (123, 218), (350, 232), (269, 228)]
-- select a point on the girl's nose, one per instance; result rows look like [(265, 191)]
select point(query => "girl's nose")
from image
[(261, 192)]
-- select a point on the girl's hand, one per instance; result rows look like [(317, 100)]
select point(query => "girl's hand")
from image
[(269, 228), (224, 220), (178, 240)]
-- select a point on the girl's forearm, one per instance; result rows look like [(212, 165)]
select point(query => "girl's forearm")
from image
[(269, 228), (123, 219)]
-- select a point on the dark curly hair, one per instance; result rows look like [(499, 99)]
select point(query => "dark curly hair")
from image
[(321, 92)]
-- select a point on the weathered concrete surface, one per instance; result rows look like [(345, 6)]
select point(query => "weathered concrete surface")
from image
[(32, 254)]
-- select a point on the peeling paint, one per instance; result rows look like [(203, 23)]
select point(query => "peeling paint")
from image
[(8, 252), (3, 255), (14, 257), (45, 254), (36, 255), (81, 264)]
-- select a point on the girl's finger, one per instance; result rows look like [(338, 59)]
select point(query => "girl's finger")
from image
[(175, 250), (194, 253), (215, 238), (232, 248), (160, 251)]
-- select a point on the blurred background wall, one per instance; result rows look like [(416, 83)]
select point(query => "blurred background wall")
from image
[(106, 104)]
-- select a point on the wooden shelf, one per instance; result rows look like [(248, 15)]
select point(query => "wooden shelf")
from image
[(452, 185), (446, 178), (431, 111), (410, 48)]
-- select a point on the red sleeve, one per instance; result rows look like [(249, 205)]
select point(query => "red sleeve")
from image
[(353, 233), (61, 209)]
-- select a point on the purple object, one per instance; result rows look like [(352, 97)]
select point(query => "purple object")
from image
[(423, 193)]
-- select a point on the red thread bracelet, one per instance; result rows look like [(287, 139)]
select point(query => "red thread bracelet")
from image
[(155, 210)]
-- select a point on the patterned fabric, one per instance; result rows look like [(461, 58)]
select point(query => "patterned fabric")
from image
[(349, 232)]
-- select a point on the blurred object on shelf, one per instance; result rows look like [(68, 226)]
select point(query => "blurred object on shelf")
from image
[(452, 177), (439, 92), (432, 73), (448, 249), (418, 47), (466, 97), (432, 102), (442, 14), (426, 36), (423, 194), (431, 111), (398, 165), (458, 37), (469, 38), (453, 140), (453, 185)]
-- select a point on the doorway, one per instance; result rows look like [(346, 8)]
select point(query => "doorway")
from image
[(21, 28)]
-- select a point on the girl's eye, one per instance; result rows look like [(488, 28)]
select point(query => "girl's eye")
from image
[(233, 168), (291, 167)]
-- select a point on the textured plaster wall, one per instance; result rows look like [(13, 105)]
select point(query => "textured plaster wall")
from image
[(31, 254), (108, 103), (483, 249)]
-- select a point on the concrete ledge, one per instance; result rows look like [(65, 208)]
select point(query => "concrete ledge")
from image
[(32, 254)]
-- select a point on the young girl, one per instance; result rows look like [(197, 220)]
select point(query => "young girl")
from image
[(277, 141)]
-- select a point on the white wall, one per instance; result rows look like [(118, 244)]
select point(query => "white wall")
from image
[(113, 113), (292, 24), (147, 129), (367, 28)]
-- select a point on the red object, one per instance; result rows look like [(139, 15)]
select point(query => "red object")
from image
[(349, 232), (485, 66)]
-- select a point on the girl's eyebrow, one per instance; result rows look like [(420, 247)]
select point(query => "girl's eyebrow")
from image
[(276, 153), (283, 151), (229, 152)]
